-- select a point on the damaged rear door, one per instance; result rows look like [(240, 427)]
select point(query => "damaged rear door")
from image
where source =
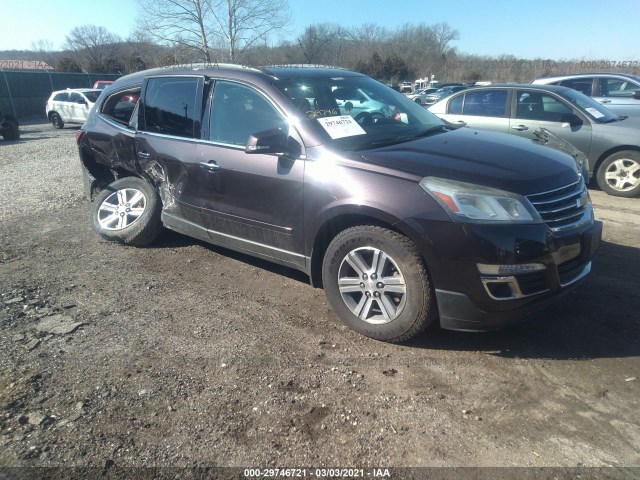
[(167, 144)]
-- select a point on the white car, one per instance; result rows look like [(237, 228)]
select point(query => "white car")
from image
[(71, 105), (419, 96)]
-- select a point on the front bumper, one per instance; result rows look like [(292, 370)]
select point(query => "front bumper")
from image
[(471, 301)]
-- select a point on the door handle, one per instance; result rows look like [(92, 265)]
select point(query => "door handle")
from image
[(211, 166), (461, 123), (520, 128), (144, 154), (605, 101)]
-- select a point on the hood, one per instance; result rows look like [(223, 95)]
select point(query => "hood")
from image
[(492, 159)]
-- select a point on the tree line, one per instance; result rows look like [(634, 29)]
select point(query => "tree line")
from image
[(251, 32)]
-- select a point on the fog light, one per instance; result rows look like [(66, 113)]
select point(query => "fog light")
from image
[(501, 270)]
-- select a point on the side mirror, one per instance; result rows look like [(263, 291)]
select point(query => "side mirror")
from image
[(636, 94), (271, 142), (571, 118)]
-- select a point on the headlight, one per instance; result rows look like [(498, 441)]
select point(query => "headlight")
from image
[(475, 203)]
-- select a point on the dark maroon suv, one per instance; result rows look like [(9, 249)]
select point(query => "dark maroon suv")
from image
[(403, 220)]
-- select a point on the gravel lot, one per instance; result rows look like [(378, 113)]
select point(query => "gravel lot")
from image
[(188, 355)]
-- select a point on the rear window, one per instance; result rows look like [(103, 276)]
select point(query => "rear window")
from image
[(61, 97), (171, 106), (120, 106)]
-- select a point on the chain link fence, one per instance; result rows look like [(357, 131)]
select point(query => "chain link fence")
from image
[(24, 93)]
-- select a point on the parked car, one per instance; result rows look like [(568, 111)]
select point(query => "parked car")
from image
[(403, 221), (419, 96), (102, 84), (619, 92), (611, 143), (443, 92), (70, 105), (9, 126)]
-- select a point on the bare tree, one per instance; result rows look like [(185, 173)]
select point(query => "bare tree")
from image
[(44, 49), (316, 40), (184, 23), (93, 46), (444, 35), (243, 23)]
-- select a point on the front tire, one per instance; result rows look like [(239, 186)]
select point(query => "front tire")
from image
[(56, 121), (127, 211), (619, 174), (377, 283)]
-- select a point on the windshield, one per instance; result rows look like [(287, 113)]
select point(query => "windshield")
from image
[(357, 112), (589, 106)]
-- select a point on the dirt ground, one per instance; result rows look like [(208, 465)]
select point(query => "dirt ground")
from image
[(188, 355)]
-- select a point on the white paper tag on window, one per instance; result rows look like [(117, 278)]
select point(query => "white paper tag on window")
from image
[(341, 126), (594, 112)]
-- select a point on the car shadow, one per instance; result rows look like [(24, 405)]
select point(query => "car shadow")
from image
[(171, 239), (598, 319)]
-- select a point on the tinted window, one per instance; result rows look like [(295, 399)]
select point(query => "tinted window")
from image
[(120, 106), (488, 103), (540, 106), (92, 96), (171, 106), (61, 97), (455, 105), (238, 111), (75, 96), (583, 85), (614, 87)]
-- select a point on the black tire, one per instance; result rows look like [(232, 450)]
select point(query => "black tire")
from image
[(619, 174), (394, 311), (11, 132), (127, 211), (418, 101), (56, 121)]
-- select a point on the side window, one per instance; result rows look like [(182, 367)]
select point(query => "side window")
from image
[(455, 105), (120, 106), (613, 87), (238, 111), (171, 106), (488, 103), (583, 85), (61, 97), (74, 97), (540, 106)]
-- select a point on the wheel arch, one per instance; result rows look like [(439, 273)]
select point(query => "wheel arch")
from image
[(612, 151), (337, 223), (98, 175)]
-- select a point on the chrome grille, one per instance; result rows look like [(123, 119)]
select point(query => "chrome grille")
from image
[(563, 207)]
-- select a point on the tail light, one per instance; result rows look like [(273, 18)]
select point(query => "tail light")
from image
[(79, 135)]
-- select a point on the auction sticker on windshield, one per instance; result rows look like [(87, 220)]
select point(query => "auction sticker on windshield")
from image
[(594, 112), (341, 126)]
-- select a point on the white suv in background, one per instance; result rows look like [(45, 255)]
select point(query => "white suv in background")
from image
[(71, 105), (619, 92)]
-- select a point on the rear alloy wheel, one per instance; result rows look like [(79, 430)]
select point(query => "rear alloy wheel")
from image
[(56, 121), (377, 284), (619, 174), (127, 211)]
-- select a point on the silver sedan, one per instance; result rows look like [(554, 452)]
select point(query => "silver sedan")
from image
[(610, 142)]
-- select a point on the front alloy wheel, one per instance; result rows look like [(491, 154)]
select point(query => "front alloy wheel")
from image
[(372, 285), (619, 174), (378, 284)]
